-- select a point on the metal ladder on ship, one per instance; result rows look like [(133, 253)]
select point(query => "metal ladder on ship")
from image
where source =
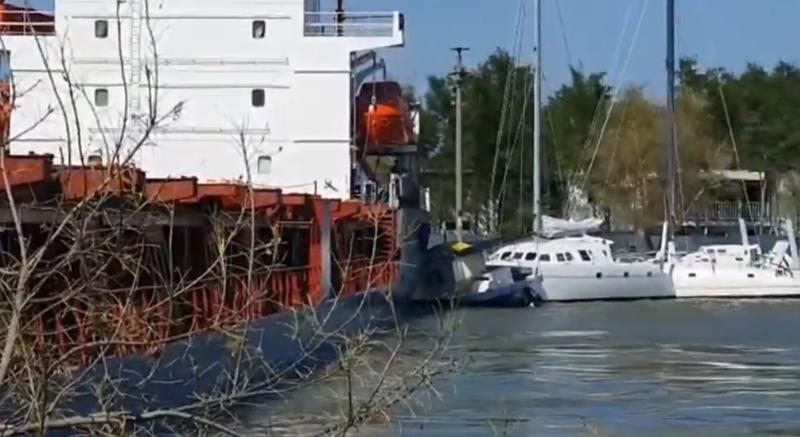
[(135, 77)]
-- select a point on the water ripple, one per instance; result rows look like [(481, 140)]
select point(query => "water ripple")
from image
[(641, 368)]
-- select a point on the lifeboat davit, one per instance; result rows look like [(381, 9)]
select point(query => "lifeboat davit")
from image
[(383, 117), (5, 110)]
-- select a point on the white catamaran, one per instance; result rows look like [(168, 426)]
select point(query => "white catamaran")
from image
[(722, 270), (566, 263)]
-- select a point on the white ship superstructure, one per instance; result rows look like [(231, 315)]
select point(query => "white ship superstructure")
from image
[(257, 90)]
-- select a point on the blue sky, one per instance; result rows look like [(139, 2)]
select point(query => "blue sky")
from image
[(718, 32)]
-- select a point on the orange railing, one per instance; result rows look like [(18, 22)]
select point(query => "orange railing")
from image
[(15, 20)]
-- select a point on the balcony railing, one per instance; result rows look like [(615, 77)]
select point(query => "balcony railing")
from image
[(729, 212), (353, 24), (19, 21)]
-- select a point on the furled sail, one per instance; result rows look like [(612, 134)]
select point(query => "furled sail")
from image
[(555, 227)]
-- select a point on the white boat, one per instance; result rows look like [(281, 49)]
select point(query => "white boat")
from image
[(572, 266), (727, 270), (737, 270), (566, 264)]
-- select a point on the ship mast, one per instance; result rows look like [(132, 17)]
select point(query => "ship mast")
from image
[(537, 103), (672, 146)]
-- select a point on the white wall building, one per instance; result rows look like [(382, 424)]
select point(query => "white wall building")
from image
[(274, 75)]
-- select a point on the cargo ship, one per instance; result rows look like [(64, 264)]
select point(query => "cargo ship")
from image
[(173, 169)]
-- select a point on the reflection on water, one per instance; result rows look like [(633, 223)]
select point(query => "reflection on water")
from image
[(641, 368)]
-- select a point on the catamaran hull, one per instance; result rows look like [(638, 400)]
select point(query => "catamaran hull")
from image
[(735, 283), (641, 282)]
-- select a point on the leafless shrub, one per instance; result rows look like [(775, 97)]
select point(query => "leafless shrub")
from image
[(106, 325)]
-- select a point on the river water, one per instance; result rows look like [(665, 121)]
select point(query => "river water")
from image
[(634, 368)]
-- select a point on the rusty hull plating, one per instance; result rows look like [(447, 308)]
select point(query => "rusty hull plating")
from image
[(185, 279)]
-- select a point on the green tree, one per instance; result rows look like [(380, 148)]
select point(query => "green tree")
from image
[(498, 136)]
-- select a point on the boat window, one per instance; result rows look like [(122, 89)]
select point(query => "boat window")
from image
[(530, 256), (544, 258), (101, 97), (518, 255), (258, 98), (264, 164), (560, 257), (584, 255), (722, 251), (101, 28), (569, 256), (505, 255), (605, 253), (259, 29)]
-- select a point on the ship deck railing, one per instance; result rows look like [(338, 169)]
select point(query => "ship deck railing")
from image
[(18, 21), (353, 24)]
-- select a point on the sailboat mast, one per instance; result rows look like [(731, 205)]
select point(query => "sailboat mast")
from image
[(537, 105), (459, 77), (672, 146)]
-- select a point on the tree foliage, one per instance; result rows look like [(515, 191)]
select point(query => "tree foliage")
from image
[(758, 108), (614, 150)]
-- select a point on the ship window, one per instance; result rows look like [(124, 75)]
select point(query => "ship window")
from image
[(544, 258), (258, 98), (518, 255), (626, 274), (530, 256), (751, 275), (584, 255), (101, 97), (505, 255), (264, 164), (560, 257), (692, 275), (259, 29), (569, 256), (101, 28), (722, 251)]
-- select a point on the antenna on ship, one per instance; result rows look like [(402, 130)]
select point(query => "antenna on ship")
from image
[(537, 107), (459, 74)]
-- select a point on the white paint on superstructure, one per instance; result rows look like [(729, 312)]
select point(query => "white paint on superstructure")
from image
[(273, 73)]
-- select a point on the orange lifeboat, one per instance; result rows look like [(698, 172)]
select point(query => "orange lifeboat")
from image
[(383, 117)]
